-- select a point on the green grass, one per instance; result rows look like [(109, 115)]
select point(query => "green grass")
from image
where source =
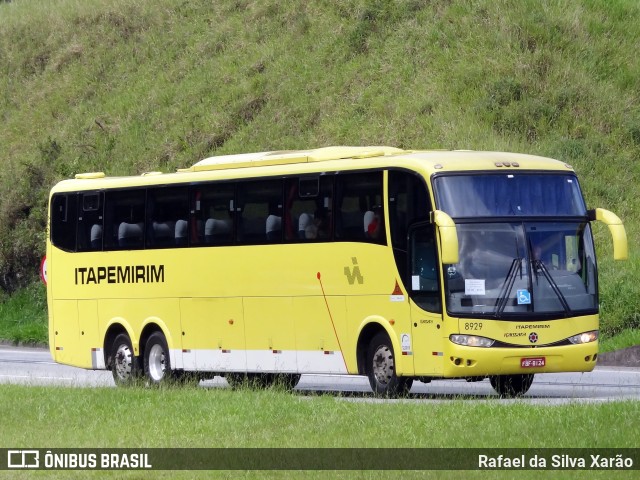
[(48, 417), (127, 87), (199, 417)]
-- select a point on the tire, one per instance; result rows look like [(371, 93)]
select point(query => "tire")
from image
[(157, 364), (380, 368), (125, 366), (510, 386)]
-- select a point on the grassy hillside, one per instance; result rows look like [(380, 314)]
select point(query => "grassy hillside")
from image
[(127, 87)]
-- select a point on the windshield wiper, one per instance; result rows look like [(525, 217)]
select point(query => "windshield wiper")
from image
[(539, 265), (503, 296)]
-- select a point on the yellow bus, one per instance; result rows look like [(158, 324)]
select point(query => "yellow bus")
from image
[(398, 265)]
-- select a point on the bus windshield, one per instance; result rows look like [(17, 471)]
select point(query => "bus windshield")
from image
[(521, 194), (507, 270)]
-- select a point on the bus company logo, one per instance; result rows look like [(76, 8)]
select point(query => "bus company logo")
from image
[(23, 459), (119, 274), (353, 274), (533, 337)]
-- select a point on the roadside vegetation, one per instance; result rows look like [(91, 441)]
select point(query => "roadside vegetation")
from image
[(23, 316), (127, 87)]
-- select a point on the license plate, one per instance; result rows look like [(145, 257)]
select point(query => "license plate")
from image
[(533, 362)]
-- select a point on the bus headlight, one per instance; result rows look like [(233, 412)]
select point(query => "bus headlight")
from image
[(471, 340), (586, 337)]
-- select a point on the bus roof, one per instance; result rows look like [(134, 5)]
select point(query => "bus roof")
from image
[(250, 165), (436, 159), (290, 156)]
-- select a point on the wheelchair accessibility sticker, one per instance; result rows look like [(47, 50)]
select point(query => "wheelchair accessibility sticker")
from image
[(524, 297)]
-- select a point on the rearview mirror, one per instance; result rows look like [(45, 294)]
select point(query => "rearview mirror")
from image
[(448, 236)]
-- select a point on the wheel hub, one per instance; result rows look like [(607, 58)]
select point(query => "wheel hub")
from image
[(157, 363), (123, 363), (383, 364)]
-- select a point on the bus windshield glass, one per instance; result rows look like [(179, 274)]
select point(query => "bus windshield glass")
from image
[(514, 269), (512, 194)]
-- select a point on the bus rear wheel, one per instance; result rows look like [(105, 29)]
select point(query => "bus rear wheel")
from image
[(381, 368), (157, 365), (510, 386), (125, 366)]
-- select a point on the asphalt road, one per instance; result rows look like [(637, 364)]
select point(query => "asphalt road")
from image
[(33, 366)]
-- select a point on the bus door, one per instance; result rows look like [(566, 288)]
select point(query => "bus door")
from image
[(424, 287)]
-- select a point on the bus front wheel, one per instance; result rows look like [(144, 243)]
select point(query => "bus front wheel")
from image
[(381, 368), (510, 386), (125, 366)]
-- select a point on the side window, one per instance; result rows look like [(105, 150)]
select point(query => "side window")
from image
[(124, 219), (308, 208), (260, 212), (167, 216), (212, 212), (64, 211), (408, 201), (90, 221), (359, 208)]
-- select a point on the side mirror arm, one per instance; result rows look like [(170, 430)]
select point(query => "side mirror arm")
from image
[(617, 230)]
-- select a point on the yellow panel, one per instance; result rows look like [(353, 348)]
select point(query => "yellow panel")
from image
[(87, 328), (338, 308), (314, 326), (212, 323), (269, 323), (66, 348), (428, 336)]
